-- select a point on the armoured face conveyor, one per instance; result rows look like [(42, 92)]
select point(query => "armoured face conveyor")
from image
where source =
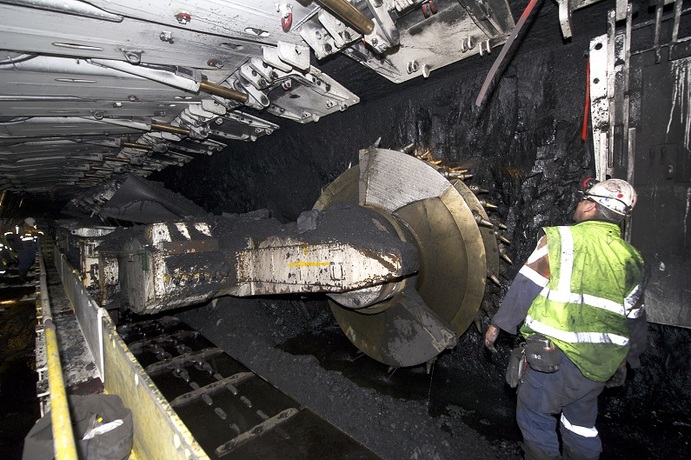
[(401, 247)]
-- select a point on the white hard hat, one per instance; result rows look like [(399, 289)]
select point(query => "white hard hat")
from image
[(614, 194), (30, 221)]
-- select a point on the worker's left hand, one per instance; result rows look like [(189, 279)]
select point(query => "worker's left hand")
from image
[(618, 378), (490, 337)]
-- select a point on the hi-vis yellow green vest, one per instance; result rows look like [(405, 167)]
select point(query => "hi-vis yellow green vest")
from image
[(595, 280)]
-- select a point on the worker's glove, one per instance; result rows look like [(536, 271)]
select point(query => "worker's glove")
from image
[(618, 378), (490, 337)]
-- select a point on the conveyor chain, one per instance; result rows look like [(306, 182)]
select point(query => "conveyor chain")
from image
[(228, 383), (228, 408), (175, 363)]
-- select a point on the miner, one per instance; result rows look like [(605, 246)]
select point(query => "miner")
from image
[(579, 298), (27, 246)]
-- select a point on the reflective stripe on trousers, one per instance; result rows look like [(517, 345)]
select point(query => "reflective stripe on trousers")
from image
[(541, 396)]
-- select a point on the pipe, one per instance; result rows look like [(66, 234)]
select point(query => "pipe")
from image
[(170, 129), (349, 14), (172, 79), (161, 76), (125, 123), (223, 91), (63, 436), (73, 7), (134, 145), (504, 50), (116, 159)]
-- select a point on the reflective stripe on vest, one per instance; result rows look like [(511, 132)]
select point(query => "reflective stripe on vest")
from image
[(575, 337), (595, 277), (533, 276)]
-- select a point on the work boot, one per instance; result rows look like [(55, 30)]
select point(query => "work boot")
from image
[(533, 452)]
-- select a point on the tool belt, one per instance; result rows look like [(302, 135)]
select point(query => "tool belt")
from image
[(542, 354), (538, 352)]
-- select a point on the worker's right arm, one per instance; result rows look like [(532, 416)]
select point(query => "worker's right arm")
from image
[(529, 282)]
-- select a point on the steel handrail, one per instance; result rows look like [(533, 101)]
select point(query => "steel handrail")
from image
[(63, 436)]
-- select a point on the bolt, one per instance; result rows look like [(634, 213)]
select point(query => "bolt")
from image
[(133, 57), (413, 67), (183, 18), (166, 37), (425, 71)]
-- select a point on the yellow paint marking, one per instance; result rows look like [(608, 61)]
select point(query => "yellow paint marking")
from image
[(304, 263)]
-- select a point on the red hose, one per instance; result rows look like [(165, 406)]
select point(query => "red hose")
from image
[(586, 109)]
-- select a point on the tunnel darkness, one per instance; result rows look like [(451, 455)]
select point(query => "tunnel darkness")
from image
[(523, 145)]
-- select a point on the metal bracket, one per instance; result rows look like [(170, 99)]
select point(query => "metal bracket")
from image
[(385, 34)]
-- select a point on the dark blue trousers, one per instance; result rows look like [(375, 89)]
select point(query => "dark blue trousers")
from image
[(26, 252), (567, 394)]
